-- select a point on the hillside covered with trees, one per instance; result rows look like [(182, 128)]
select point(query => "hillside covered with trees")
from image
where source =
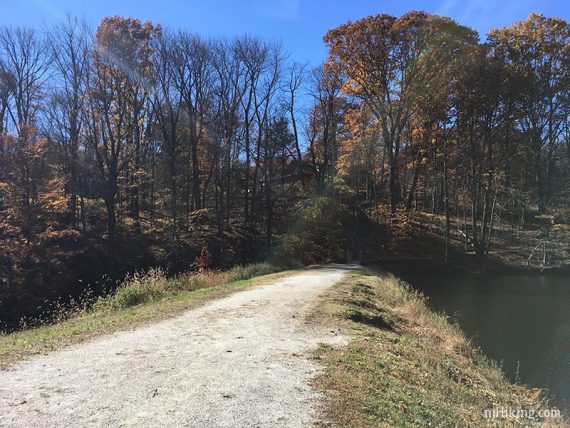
[(135, 146)]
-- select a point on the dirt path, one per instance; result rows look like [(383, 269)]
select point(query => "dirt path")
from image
[(236, 362)]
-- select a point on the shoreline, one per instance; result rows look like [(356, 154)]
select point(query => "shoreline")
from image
[(406, 363), (492, 268)]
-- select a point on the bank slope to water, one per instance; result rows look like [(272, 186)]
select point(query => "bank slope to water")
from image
[(406, 365)]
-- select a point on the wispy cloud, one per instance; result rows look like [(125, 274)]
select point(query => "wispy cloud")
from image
[(447, 7), (49, 9)]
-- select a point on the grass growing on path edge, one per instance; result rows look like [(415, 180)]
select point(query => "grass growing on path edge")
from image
[(406, 365), (142, 298)]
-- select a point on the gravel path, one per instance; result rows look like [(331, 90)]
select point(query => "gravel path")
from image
[(240, 361)]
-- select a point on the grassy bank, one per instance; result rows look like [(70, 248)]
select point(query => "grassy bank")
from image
[(406, 365), (140, 299)]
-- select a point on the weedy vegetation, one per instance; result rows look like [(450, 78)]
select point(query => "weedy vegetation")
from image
[(140, 298)]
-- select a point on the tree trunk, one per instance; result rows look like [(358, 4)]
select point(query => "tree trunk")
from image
[(111, 232), (394, 183), (196, 195), (446, 205)]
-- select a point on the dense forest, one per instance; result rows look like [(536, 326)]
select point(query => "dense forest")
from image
[(135, 146)]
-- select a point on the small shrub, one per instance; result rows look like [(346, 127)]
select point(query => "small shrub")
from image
[(136, 289), (240, 273), (204, 261)]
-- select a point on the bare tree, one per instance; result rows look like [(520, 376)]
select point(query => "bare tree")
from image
[(70, 43), (194, 80), (26, 59), (292, 87)]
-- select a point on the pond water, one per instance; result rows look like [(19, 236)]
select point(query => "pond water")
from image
[(521, 321)]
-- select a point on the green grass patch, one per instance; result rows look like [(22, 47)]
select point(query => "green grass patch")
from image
[(377, 320)]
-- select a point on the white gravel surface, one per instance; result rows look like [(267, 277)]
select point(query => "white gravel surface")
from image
[(241, 361)]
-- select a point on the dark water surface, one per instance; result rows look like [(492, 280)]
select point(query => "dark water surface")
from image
[(521, 321)]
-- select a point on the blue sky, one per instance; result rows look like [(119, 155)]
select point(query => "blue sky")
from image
[(299, 24)]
